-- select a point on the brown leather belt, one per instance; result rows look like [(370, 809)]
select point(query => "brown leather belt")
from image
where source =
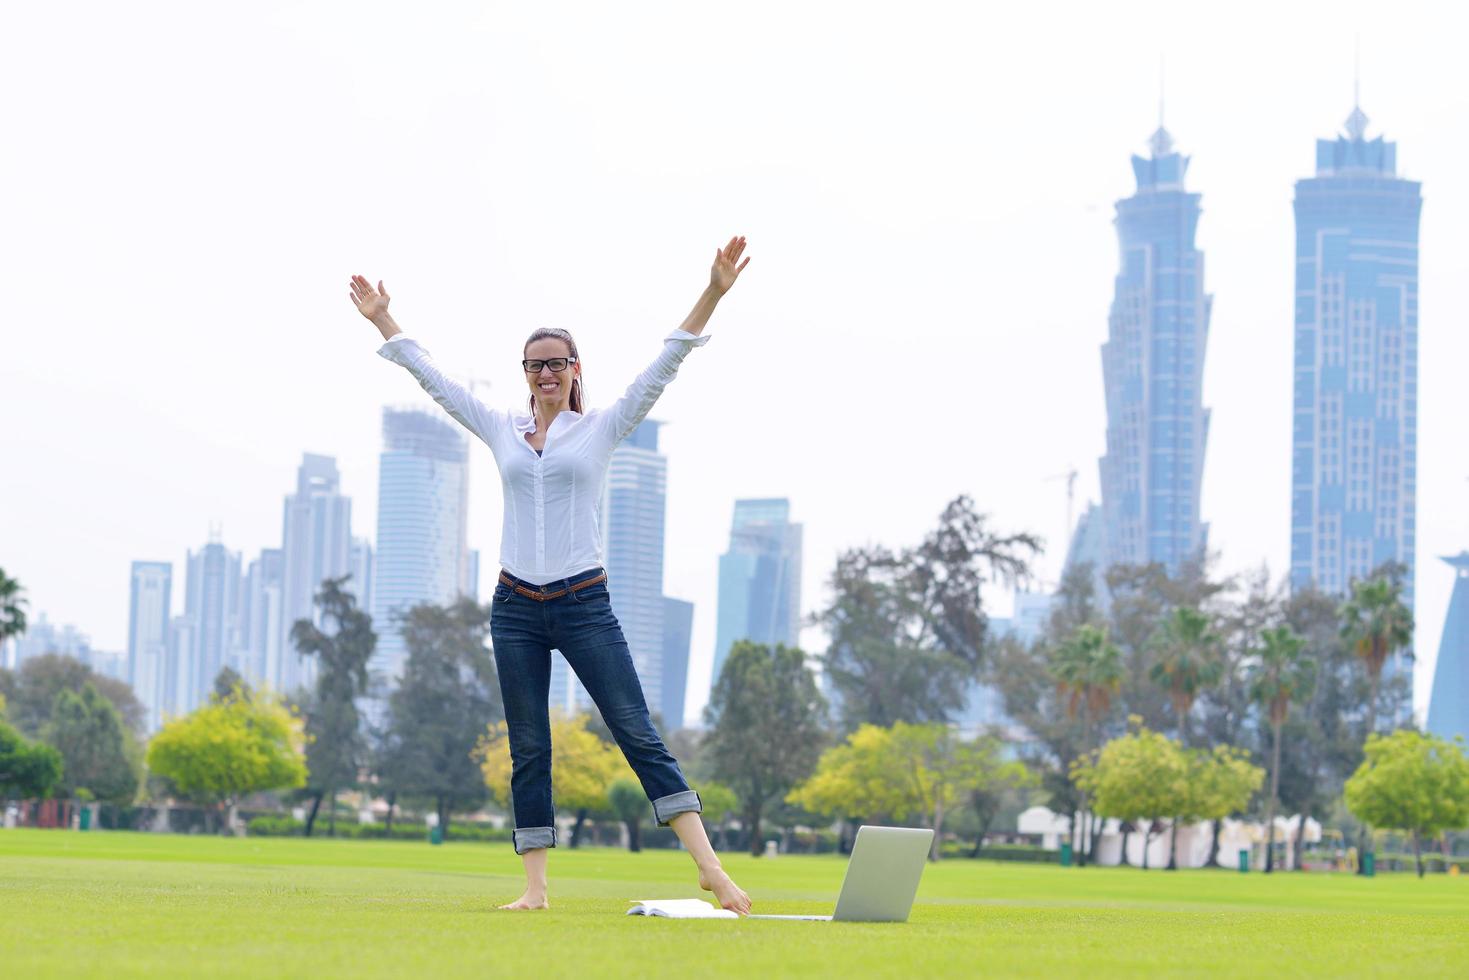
[(546, 596)]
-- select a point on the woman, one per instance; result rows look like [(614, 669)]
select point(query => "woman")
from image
[(552, 591)]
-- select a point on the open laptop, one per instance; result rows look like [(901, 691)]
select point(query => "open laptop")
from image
[(882, 876)]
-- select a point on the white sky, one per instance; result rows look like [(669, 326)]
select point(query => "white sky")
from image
[(927, 190)]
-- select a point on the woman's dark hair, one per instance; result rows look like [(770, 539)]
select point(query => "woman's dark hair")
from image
[(556, 333)]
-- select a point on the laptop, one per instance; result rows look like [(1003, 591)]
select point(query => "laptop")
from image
[(882, 876)]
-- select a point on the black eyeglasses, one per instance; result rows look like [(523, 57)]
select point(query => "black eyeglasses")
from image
[(557, 364)]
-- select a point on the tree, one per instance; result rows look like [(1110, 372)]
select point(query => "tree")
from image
[(336, 750), (630, 804), (1377, 625), (1088, 669), (446, 700), (719, 803), (230, 748), (586, 767), (1413, 782), (28, 770), (12, 611), (1138, 777), (907, 772), (1188, 661), (1218, 782), (908, 631), (32, 694), (1142, 597), (1282, 675), (765, 720), (101, 761)]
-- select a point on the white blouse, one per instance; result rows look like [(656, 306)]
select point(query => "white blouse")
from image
[(553, 502)]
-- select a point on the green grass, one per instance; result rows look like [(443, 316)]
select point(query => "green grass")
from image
[(124, 904)]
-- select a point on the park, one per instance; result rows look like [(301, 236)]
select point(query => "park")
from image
[(130, 904)]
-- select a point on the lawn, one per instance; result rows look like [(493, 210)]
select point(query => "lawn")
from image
[(126, 904)]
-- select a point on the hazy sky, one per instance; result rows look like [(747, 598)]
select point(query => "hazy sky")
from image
[(927, 190)]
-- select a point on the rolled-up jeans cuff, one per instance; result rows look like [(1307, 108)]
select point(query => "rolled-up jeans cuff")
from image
[(531, 838), (665, 808)]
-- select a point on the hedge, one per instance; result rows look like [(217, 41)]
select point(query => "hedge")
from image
[(279, 826)]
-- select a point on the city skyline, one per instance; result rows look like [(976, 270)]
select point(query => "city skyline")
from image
[(906, 201)]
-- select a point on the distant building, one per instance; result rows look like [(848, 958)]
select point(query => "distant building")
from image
[(42, 637), (1355, 413), (212, 606), (422, 521), (1448, 704), (360, 564), (759, 579), (316, 536), (678, 627), (149, 610), (634, 504), (1153, 370), (261, 619)]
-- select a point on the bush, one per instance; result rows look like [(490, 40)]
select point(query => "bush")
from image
[(1001, 852), (282, 826)]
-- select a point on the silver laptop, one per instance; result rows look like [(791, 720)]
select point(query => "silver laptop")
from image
[(882, 876)]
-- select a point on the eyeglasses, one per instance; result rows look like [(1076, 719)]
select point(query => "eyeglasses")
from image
[(557, 364)]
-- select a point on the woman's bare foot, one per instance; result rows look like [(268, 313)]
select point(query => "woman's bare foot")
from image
[(730, 895), (529, 901)]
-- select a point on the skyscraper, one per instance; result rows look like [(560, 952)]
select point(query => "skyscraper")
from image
[(678, 628), (634, 502), (212, 592), (1448, 704), (422, 521), (1354, 445), (316, 545), (1153, 369), (759, 579), (261, 619), (360, 563), (149, 611)]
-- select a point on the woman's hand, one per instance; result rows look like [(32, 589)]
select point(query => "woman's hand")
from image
[(371, 303), (725, 271)]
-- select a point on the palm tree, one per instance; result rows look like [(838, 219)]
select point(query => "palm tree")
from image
[(12, 616), (1282, 674), (1377, 625), (1189, 660), (1088, 670)]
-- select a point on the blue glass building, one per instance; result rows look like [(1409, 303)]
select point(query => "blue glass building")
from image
[(634, 502), (1355, 434), (149, 612), (759, 579), (1153, 369), (422, 527), (1448, 704), (678, 628)]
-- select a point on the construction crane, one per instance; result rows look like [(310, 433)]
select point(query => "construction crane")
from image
[(1070, 477)]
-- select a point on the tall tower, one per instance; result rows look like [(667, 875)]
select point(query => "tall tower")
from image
[(1355, 413), (634, 503), (212, 608), (759, 579), (1448, 704), (1153, 370), (316, 545), (148, 618), (422, 526)]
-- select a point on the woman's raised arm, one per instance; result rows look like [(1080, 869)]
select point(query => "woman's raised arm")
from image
[(642, 394), (453, 397)]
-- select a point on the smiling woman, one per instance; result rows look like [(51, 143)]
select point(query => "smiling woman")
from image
[(552, 591)]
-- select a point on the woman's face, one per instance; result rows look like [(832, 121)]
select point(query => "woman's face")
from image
[(552, 389)]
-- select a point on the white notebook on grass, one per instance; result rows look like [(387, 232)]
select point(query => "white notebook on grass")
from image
[(680, 908)]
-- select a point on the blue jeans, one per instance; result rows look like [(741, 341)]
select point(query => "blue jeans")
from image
[(580, 624)]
